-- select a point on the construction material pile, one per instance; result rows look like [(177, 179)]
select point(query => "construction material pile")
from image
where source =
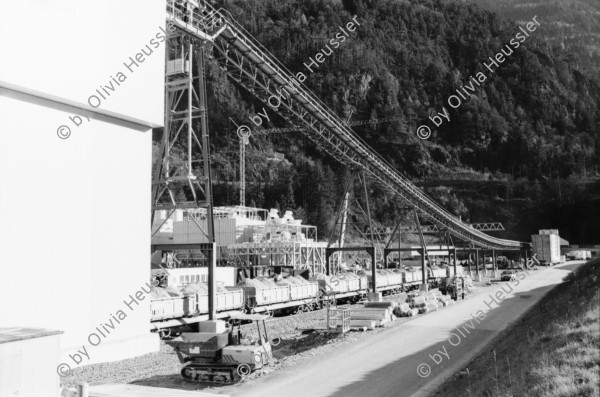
[(442, 300), (398, 298), (200, 289), (371, 315), (425, 302), (394, 278), (445, 300), (404, 310), (160, 292), (268, 282), (438, 272), (253, 282), (331, 284), (458, 281), (469, 286), (293, 280)]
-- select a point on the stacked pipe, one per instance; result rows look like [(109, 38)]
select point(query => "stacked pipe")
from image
[(372, 314), (445, 300)]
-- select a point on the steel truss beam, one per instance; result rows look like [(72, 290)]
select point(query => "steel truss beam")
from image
[(435, 229), (289, 253)]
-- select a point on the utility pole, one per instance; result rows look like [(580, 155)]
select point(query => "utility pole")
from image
[(243, 133)]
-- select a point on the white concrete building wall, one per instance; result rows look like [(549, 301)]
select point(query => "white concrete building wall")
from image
[(75, 213)]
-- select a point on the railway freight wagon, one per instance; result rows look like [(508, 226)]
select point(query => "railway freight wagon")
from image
[(257, 296), (189, 303), (381, 281), (412, 276), (300, 290), (342, 283), (394, 278), (386, 280), (358, 283), (165, 304), (438, 272)]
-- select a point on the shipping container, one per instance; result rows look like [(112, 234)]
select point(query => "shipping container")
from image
[(576, 255), (547, 247), (548, 231)]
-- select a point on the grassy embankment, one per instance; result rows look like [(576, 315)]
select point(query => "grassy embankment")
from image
[(554, 350)]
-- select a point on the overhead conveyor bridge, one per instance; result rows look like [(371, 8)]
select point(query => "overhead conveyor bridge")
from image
[(247, 62)]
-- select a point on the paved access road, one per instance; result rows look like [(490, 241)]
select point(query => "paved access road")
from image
[(437, 345)]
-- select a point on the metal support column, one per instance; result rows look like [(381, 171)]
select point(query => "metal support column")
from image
[(212, 267), (423, 252), (399, 246), (425, 285), (343, 223), (373, 265), (470, 255), (342, 218), (477, 263), (387, 245), (182, 181), (455, 259)]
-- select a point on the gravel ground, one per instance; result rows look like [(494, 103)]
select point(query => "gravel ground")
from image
[(162, 368)]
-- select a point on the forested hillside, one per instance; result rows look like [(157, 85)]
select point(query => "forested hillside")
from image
[(572, 25), (536, 119)]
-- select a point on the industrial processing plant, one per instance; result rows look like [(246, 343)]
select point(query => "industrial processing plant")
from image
[(299, 198)]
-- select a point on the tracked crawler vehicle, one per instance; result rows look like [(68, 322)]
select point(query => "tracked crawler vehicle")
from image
[(226, 355)]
